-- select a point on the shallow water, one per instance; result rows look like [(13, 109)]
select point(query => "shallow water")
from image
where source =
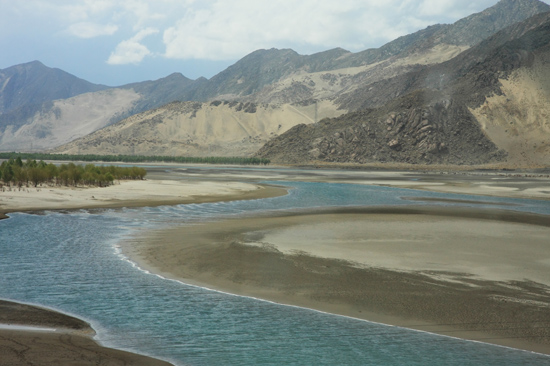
[(71, 262)]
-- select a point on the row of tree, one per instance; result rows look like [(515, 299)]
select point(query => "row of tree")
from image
[(19, 173), (138, 158)]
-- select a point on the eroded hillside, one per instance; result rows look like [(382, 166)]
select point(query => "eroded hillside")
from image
[(518, 120), (199, 129)]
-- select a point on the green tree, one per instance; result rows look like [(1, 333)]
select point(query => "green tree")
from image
[(36, 175), (19, 162), (7, 174)]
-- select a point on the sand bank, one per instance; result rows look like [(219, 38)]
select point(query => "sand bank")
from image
[(474, 274), (70, 342), (500, 184), (129, 194)]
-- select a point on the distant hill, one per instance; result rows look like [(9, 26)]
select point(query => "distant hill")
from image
[(56, 122), (198, 129)]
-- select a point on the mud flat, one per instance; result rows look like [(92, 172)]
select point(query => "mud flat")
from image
[(31, 335)]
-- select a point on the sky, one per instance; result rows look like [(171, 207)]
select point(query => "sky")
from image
[(116, 42)]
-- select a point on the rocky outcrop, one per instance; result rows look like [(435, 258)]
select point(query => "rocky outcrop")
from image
[(440, 133)]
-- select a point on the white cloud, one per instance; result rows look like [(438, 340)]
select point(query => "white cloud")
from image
[(222, 29), (227, 29), (91, 30), (131, 51)]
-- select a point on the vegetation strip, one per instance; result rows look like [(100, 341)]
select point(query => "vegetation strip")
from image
[(19, 173), (137, 158)]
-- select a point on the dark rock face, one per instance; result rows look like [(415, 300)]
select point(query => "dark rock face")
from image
[(441, 133)]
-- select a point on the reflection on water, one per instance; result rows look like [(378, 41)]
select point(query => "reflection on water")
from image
[(70, 262)]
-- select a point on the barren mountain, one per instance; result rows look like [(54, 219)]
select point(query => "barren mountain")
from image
[(488, 104), (336, 72)]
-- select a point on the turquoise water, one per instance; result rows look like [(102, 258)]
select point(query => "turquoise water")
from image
[(71, 262)]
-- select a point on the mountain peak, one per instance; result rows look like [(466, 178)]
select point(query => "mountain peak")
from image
[(34, 83)]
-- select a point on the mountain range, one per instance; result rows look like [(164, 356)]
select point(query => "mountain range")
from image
[(472, 92)]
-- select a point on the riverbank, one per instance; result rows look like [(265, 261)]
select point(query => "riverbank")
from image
[(455, 272), (32, 335), (134, 193)]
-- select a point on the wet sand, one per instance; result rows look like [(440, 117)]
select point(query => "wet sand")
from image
[(469, 273), (57, 339)]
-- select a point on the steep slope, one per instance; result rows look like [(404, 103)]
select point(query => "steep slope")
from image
[(283, 76), (457, 112), (197, 129)]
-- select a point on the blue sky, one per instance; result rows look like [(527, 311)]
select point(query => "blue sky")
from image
[(115, 42)]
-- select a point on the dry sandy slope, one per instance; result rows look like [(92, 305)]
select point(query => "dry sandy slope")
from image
[(202, 129), (199, 129), (519, 120)]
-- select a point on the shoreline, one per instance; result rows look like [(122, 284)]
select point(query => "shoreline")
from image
[(38, 334), (224, 256)]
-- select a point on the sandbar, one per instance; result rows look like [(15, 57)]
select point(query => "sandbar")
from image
[(134, 193), (478, 274)]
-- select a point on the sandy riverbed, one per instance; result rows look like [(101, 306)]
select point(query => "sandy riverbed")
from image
[(474, 274), (51, 338)]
